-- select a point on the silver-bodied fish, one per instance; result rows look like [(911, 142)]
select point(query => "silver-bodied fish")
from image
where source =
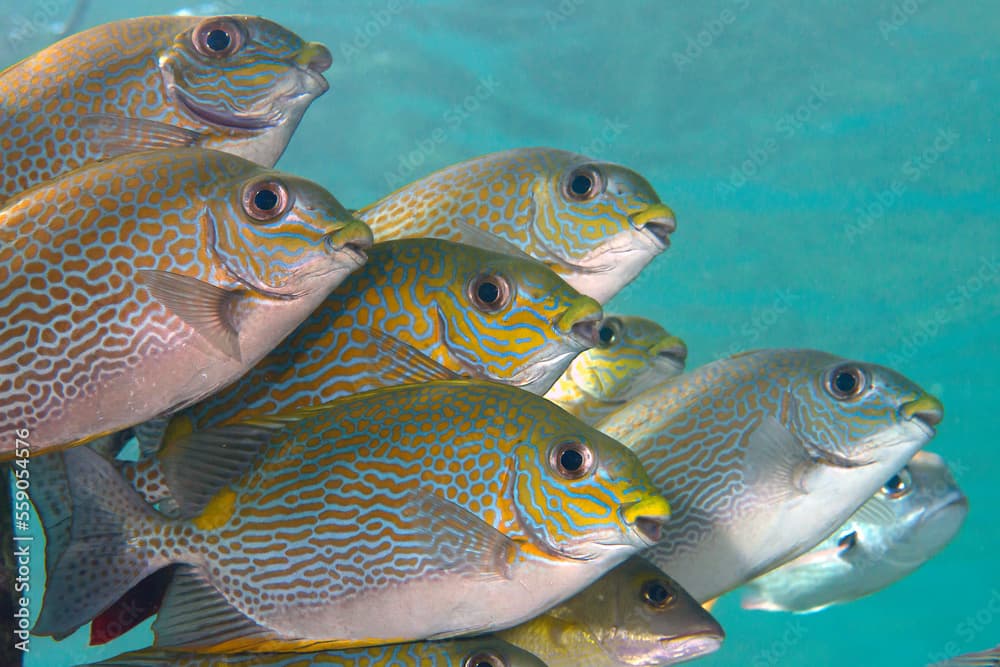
[(987, 658), (595, 223), (632, 355), (413, 512), (634, 616), (909, 520), (238, 84), (764, 454), (135, 286), (475, 652)]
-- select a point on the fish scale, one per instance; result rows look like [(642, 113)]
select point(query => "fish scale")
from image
[(598, 244), (763, 461), (637, 354), (137, 69), (98, 342), (390, 515), (416, 291)]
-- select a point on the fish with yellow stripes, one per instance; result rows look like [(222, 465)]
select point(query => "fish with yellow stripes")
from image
[(138, 285), (632, 355), (596, 224), (419, 511), (634, 615), (764, 454), (238, 84), (475, 652)]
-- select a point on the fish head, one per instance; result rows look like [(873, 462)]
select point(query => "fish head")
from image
[(632, 354), (512, 319), (280, 235), (597, 223), (485, 651), (640, 616), (581, 495), (248, 79), (852, 414), (927, 510)]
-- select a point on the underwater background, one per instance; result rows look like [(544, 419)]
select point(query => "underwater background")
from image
[(834, 170)]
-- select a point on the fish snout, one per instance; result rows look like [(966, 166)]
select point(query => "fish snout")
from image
[(582, 321), (926, 408), (351, 240), (647, 517), (658, 221), (316, 57), (672, 349)]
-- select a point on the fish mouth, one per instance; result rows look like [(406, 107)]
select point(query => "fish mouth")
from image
[(584, 318), (646, 518), (658, 222), (672, 350), (688, 647), (925, 412), (350, 242), (313, 60)]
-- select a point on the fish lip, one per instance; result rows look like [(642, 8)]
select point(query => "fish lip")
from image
[(691, 646), (350, 243), (219, 119), (656, 222)]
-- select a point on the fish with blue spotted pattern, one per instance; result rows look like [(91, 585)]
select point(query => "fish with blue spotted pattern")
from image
[(238, 84), (596, 224), (764, 454), (413, 512)]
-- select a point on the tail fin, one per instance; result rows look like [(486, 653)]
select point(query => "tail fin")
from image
[(101, 560)]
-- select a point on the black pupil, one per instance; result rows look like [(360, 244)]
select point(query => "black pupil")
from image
[(571, 460), (483, 663), (581, 185), (848, 541), (657, 593), (895, 484), (265, 200), (606, 334), (488, 292), (218, 40), (845, 382)]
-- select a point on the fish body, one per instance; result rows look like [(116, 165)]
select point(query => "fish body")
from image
[(909, 520), (140, 284), (413, 512), (635, 615), (475, 652), (632, 355), (424, 293), (765, 454), (594, 223), (237, 84)]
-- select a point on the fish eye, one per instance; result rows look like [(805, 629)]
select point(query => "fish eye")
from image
[(266, 200), (848, 542), (899, 484), (584, 183), (489, 293), (571, 459), (846, 382), (217, 38), (485, 659), (657, 594), (610, 332)]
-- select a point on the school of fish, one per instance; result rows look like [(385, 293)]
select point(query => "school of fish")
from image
[(406, 434)]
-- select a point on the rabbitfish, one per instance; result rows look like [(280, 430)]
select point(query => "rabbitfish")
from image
[(632, 355), (634, 616), (764, 454), (475, 652), (137, 285), (909, 520), (238, 84), (595, 223), (417, 511)]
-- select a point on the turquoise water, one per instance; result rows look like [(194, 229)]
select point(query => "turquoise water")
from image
[(834, 170)]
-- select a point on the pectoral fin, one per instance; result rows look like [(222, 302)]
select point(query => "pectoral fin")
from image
[(111, 134)]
